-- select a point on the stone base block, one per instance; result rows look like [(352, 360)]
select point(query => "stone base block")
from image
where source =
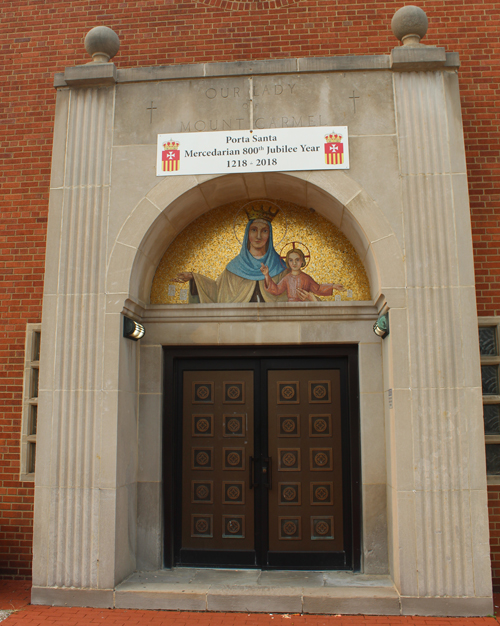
[(165, 600), (322, 593), (420, 59), (59, 596), (447, 607), (352, 601), (255, 600), (91, 73)]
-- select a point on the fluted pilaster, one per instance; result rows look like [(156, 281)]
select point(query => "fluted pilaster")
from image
[(72, 374), (443, 360)]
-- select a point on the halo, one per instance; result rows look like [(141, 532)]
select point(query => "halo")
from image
[(295, 244), (268, 202)]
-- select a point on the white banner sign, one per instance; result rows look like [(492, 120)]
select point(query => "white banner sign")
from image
[(268, 150)]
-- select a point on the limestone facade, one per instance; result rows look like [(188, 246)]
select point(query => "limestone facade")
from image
[(404, 206)]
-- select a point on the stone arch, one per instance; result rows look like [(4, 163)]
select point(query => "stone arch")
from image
[(175, 202), (156, 220)]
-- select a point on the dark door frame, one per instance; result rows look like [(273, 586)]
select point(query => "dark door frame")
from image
[(171, 405)]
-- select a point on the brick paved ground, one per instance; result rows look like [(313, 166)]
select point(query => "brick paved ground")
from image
[(56, 616), (14, 595)]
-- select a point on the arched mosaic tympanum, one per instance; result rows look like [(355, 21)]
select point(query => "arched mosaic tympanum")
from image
[(218, 258)]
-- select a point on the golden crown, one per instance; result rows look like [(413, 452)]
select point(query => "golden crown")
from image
[(171, 145), (333, 138), (261, 210)]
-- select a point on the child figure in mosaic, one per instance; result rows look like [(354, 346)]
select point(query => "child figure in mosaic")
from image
[(298, 285)]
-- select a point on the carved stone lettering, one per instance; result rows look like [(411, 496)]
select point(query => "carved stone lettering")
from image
[(222, 92), (259, 102), (234, 92), (288, 122), (274, 90), (259, 123), (201, 125)]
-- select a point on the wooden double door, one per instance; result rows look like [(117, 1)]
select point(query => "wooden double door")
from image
[(262, 463)]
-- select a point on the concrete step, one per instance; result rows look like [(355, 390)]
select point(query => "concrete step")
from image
[(254, 591)]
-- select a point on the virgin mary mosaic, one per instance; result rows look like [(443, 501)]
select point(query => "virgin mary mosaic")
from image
[(260, 251)]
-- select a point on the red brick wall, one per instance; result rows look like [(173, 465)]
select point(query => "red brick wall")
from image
[(40, 38), (494, 510)]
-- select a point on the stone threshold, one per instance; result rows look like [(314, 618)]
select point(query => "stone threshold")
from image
[(255, 591)]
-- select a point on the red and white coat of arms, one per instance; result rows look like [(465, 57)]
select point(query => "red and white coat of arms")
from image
[(334, 149), (171, 156)]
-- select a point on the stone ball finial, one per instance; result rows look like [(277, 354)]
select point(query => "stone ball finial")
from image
[(102, 44), (409, 25)]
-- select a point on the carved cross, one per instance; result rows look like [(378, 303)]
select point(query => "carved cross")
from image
[(354, 98), (151, 109)]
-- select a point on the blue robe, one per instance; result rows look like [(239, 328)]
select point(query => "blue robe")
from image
[(247, 266)]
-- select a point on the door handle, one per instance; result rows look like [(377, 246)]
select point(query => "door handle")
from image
[(251, 486), (269, 471)]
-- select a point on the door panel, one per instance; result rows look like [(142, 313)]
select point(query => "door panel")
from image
[(261, 459), (305, 499), (217, 435)]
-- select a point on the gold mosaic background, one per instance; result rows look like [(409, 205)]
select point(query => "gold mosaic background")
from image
[(208, 244)]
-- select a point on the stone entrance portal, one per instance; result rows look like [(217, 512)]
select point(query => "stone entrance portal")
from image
[(402, 205)]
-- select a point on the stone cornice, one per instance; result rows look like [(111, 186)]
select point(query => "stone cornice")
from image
[(91, 74), (251, 312)]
